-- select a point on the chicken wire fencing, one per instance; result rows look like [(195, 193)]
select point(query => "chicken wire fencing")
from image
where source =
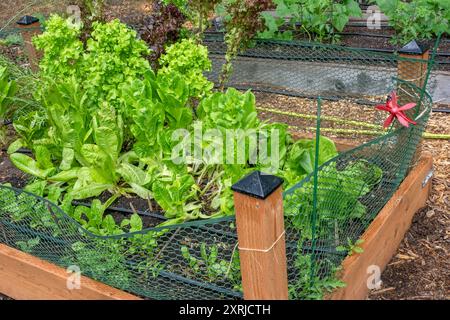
[(326, 213), (306, 69)]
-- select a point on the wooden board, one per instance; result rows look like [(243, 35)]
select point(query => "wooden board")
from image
[(385, 233), (24, 277)]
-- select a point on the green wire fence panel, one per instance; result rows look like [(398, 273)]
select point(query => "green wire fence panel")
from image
[(326, 213), (308, 69), (352, 189)]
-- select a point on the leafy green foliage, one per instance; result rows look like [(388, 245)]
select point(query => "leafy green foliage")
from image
[(188, 60), (8, 89), (29, 126), (320, 20), (339, 201), (25, 83), (11, 39), (301, 157), (229, 110), (113, 56), (93, 219), (309, 286), (210, 265), (104, 261), (62, 48), (173, 192), (28, 246), (351, 247), (416, 19), (78, 137), (78, 148)]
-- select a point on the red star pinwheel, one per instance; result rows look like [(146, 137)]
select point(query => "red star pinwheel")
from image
[(395, 111)]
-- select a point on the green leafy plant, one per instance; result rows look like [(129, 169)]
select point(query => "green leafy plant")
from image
[(229, 110), (113, 56), (351, 247), (320, 20), (416, 19), (175, 194), (26, 83), (338, 202), (212, 267), (79, 148), (29, 126), (79, 135), (301, 157), (93, 219), (8, 89), (61, 47), (101, 260), (11, 39), (313, 286), (157, 106), (188, 60), (29, 245)]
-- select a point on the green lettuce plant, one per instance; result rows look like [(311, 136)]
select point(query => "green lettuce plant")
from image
[(113, 56), (61, 47), (188, 60)]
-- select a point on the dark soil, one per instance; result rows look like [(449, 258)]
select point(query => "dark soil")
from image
[(14, 53), (10, 174)]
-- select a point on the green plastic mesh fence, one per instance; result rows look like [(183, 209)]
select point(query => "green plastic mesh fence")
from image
[(326, 213)]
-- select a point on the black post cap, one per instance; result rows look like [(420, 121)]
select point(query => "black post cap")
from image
[(27, 20), (258, 185), (415, 47)]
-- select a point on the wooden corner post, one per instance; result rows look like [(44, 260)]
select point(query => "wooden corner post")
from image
[(30, 27), (413, 68), (260, 226), (410, 70)]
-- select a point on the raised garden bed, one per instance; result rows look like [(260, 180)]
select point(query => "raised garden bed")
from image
[(326, 209), (23, 276)]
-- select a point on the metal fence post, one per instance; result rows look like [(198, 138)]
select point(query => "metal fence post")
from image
[(260, 226)]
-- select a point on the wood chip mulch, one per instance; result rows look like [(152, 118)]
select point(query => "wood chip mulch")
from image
[(421, 268)]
